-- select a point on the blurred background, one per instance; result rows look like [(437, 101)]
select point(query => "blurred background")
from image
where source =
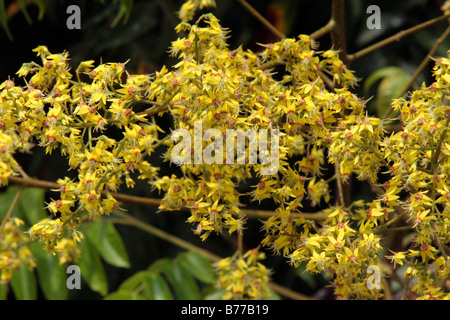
[(142, 31)]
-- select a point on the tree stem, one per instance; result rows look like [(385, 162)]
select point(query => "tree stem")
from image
[(338, 32)]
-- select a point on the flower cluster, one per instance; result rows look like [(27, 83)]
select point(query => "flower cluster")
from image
[(14, 254), (243, 277), (342, 252), (418, 158), (189, 8), (56, 112), (235, 89), (289, 87)]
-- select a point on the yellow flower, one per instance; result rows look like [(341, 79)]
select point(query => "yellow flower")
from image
[(398, 258)]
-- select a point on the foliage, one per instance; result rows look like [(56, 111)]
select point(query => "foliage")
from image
[(95, 117)]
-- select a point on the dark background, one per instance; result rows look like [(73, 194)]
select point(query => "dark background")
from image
[(145, 38)]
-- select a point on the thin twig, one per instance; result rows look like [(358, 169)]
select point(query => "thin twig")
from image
[(341, 198), (152, 202), (406, 285), (21, 171), (288, 293), (261, 19), (159, 107), (394, 38), (11, 209), (133, 221), (324, 30), (387, 290), (383, 227), (127, 219), (327, 80), (265, 214), (422, 65)]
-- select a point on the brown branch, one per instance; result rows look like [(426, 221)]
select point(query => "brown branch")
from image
[(11, 209), (261, 19), (34, 183), (265, 214), (338, 32), (152, 202), (395, 37), (133, 221), (288, 293), (340, 190), (127, 219), (159, 107), (324, 30), (326, 80)]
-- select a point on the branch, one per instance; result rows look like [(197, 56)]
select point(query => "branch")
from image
[(326, 80), (422, 65), (384, 227), (127, 219), (265, 214), (11, 209), (324, 30), (133, 221), (159, 107), (395, 37), (341, 199), (261, 19), (152, 202), (338, 32)]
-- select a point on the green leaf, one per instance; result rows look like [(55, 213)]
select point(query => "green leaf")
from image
[(97, 18), (91, 268), (393, 82), (138, 27), (124, 12), (4, 21), (136, 287), (198, 266), (42, 5), (3, 291), (307, 277), (23, 283), (182, 282), (134, 281), (159, 288), (31, 204), (52, 276), (378, 75), (108, 243), (123, 295), (159, 265), (215, 295)]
